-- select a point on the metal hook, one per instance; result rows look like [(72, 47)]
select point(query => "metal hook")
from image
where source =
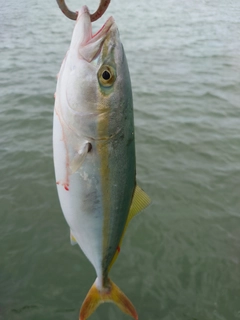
[(73, 15)]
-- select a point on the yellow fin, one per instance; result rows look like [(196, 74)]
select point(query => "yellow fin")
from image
[(110, 293), (72, 238), (140, 201)]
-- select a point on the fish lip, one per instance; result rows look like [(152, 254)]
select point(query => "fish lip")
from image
[(97, 35), (84, 9), (104, 29), (85, 44), (82, 33)]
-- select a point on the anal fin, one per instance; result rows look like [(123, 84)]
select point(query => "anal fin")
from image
[(72, 239)]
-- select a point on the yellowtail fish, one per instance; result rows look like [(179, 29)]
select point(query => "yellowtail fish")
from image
[(94, 153)]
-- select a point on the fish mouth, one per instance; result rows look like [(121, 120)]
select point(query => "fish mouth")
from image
[(89, 44), (103, 30)]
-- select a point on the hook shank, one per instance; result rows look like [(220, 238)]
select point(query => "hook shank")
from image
[(73, 15)]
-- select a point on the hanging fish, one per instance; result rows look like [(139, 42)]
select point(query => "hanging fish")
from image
[(94, 153)]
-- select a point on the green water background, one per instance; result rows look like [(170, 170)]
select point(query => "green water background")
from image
[(180, 258)]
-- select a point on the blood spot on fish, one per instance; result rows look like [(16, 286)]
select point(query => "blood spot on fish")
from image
[(118, 249), (89, 147), (64, 184)]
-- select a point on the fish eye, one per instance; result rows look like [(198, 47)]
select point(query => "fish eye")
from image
[(106, 76)]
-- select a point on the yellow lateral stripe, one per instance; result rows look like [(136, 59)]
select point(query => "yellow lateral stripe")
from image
[(103, 152)]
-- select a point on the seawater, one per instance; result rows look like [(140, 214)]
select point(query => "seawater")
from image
[(180, 258)]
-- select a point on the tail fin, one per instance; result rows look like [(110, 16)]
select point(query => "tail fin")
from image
[(111, 293)]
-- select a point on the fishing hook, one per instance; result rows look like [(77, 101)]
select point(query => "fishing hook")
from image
[(73, 15)]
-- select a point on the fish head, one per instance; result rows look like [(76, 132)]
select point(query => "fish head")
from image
[(98, 79)]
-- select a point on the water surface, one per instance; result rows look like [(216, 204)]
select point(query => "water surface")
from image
[(180, 258)]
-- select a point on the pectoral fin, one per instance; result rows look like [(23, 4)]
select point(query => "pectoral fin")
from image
[(140, 201), (79, 157)]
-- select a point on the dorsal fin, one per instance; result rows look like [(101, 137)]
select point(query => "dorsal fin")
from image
[(140, 201)]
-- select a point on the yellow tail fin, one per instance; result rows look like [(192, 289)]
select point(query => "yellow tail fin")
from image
[(110, 293)]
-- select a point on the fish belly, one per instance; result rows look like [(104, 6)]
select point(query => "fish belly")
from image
[(80, 198)]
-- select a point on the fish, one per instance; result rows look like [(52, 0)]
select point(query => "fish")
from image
[(94, 153)]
